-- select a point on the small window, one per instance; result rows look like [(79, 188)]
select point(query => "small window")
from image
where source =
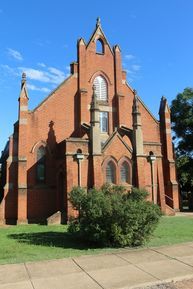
[(110, 173), (99, 46), (124, 172), (41, 157), (101, 88), (103, 121)]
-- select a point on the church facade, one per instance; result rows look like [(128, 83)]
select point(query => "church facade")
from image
[(91, 130)]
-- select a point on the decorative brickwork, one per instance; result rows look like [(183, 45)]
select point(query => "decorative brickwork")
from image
[(79, 143)]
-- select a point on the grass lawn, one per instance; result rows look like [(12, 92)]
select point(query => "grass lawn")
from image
[(172, 230), (35, 242)]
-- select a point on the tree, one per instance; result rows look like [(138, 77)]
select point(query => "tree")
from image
[(182, 125)]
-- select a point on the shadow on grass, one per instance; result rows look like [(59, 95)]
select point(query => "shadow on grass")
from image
[(52, 239)]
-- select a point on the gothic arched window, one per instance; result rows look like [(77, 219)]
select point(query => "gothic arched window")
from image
[(111, 173), (99, 46), (41, 164), (124, 172), (101, 88)]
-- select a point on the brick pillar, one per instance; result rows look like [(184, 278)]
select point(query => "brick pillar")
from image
[(95, 141), (82, 84), (160, 185), (118, 85), (138, 143), (69, 184), (8, 188), (22, 152), (171, 185)]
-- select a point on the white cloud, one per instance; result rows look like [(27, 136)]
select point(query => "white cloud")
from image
[(128, 71), (53, 75), (35, 74), (41, 64), (15, 54), (56, 75), (34, 87), (49, 75), (136, 67), (9, 69), (129, 56)]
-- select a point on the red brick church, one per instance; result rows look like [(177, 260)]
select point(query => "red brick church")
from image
[(92, 129)]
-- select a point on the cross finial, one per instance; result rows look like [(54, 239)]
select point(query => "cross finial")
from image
[(98, 24), (23, 76), (23, 79)]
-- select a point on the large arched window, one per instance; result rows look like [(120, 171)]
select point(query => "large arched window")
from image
[(124, 172), (110, 173), (101, 88), (41, 164)]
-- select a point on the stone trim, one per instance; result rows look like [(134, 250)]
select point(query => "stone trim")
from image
[(22, 159), (77, 140), (12, 159), (152, 143), (168, 130), (23, 121), (8, 186), (72, 154), (23, 108), (22, 186)]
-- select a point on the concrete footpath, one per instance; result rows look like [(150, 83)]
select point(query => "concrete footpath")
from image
[(123, 269)]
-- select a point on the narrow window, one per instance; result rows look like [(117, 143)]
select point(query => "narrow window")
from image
[(99, 46), (101, 88), (103, 121), (41, 153), (110, 173), (124, 172)]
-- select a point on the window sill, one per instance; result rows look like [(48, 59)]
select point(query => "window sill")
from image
[(103, 102)]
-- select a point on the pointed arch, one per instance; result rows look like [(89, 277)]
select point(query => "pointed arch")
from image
[(110, 172), (125, 171), (37, 145), (41, 164), (101, 73), (100, 49), (101, 88), (109, 168)]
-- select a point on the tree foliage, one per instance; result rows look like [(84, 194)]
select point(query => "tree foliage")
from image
[(112, 216), (182, 125)]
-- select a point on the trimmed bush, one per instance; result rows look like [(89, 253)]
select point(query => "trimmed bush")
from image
[(112, 216)]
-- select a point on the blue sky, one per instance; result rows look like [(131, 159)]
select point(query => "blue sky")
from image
[(39, 37)]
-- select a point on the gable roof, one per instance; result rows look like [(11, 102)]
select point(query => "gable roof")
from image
[(52, 92), (110, 140)]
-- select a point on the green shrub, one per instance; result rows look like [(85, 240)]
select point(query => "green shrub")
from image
[(112, 216)]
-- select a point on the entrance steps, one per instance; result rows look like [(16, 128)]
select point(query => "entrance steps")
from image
[(169, 211)]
